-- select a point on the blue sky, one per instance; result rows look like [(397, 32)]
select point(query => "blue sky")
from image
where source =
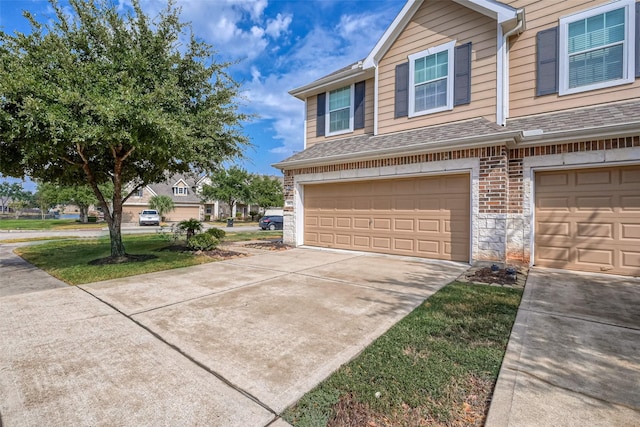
[(280, 45)]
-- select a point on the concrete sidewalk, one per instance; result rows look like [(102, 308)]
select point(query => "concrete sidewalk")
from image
[(573, 358), (230, 343), (20, 277)]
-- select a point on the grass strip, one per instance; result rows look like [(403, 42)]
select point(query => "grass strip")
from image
[(437, 366), (46, 224), (69, 260)]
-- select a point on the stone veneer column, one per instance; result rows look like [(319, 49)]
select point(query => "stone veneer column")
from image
[(289, 226)]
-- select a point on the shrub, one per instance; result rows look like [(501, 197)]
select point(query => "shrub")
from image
[(218, 233), (207, 218), (191, 226), (203, 242)]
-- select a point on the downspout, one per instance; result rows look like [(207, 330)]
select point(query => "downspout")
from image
[(519, 28), (304, 136), (505, 110), (375, 99)]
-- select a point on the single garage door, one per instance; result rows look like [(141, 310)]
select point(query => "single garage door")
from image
[(426, 216), (589, 220), (181, 213)]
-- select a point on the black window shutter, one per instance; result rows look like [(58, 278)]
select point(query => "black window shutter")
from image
[(462, 73), (358, 107), (322, 102), (402, 90), (547, 73), (637, 39)]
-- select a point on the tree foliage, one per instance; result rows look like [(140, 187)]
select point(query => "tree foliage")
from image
[(95, 96), (229, 185), (11, 193), (266, 192)]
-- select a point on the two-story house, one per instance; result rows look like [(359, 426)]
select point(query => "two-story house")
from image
[(479, 130)]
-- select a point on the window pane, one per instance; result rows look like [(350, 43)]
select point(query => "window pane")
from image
[(431, 95), (596, 66), (339, 120), (600, 30), (431, 67), (340, 98)]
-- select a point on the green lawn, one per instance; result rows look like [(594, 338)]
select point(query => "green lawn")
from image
[(46, 224), (437, 366), (69, 260)]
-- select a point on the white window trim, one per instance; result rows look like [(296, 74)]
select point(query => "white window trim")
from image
[(327, 118), (628, 65), (450, 78)]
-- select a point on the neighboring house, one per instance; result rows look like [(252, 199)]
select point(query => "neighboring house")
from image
[(480, 130), (183, 190)]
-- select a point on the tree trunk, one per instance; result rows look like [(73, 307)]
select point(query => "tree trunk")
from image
[(84, 213), (117, 248)]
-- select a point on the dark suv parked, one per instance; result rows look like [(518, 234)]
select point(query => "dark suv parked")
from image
[(271, 222)]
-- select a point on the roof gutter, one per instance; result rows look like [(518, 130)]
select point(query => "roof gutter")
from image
[(334, 79), (421, 148), (533, 137)]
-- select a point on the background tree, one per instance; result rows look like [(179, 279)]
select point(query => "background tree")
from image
[(82, 196), (231, 186), (8, 192), (163, 204), (266, 192), (47, 196), (94, 97)]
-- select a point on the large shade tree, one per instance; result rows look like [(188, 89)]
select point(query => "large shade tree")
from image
[(231, 185), (95, 96)]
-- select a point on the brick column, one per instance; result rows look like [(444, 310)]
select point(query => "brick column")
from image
[(490, 223)]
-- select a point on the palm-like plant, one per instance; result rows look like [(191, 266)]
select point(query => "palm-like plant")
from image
[(162, 204), (191, 226)]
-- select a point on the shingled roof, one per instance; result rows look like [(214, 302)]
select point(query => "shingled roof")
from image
[(466, 134)]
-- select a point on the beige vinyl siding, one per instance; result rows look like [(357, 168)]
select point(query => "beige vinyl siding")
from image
[(436, 23), (312, 111), (542, 15)]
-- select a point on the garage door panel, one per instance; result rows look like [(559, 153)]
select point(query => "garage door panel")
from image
[(427, 225), (343, 239), (404, 224), (547, 228), (630, 231), (381, 224), (406, 245), (326, 238), (363, 242), (556, 179), (630, 203), (342, 222), (590, 178), (311, 221), (591, 203), (403, 204), (595, 256), (630, 259), (327, 221), (592, 224), (409, 216), (361, 223), (591, 230)]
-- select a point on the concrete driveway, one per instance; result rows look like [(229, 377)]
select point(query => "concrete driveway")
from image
[(231, 343), (574, 354)]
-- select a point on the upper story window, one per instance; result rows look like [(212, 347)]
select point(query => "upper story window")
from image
[(340, 110), (431, 80), (180, 191), (597, 48), (138, 193)]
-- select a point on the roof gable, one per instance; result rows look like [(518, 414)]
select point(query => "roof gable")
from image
[(498, 11)]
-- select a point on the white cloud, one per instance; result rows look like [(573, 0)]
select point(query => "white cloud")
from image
[(279, 25)]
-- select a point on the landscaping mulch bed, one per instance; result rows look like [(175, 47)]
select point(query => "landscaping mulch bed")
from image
[(121, 260), (219, 254), (272, 245), (512, 276)]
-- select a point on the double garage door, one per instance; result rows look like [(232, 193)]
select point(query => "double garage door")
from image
[(589, 220), (424, 216)]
